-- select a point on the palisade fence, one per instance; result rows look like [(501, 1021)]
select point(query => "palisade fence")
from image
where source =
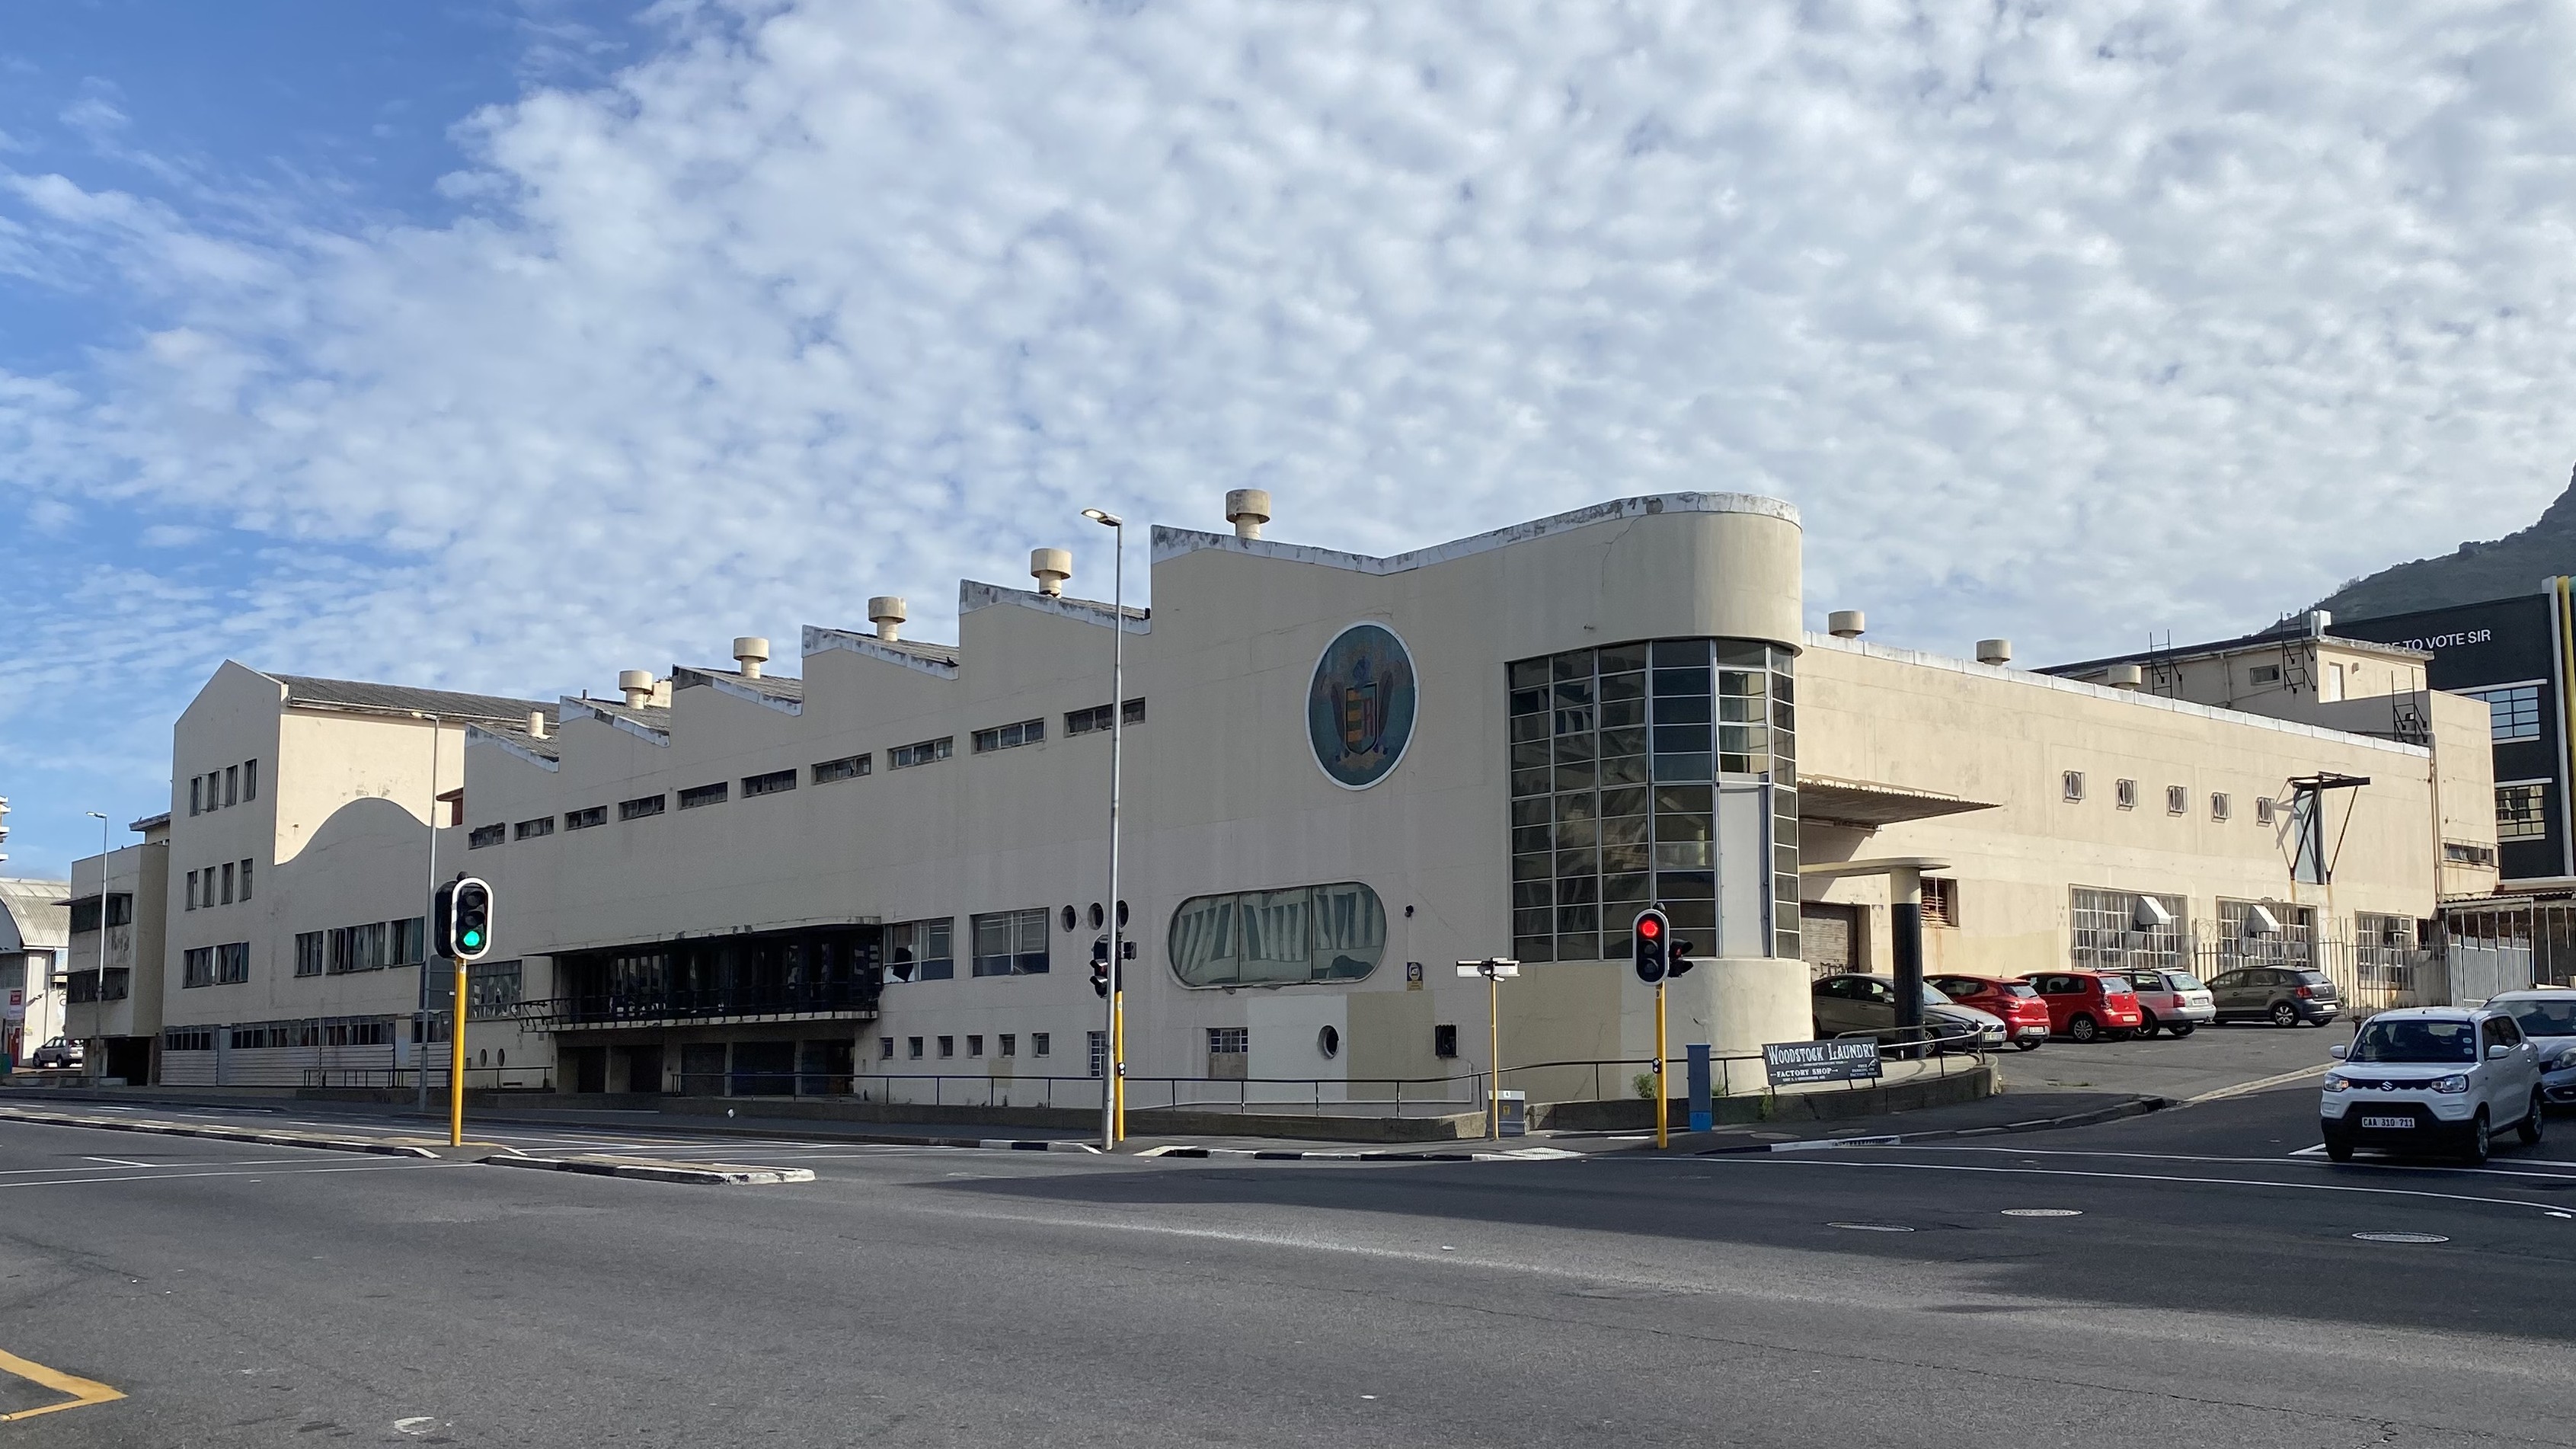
[(2378, 974)]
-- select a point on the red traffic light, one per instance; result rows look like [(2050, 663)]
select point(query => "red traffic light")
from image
[(1649, 927)]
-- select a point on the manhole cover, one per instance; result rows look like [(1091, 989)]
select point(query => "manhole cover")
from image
[(1872, 1227), (2043, 1212), (2401, 1237)]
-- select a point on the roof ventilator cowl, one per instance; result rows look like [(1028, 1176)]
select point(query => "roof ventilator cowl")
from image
[(887, 612), (1050, 567)]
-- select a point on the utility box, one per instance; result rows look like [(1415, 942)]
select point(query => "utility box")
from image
[(1511, 1112)]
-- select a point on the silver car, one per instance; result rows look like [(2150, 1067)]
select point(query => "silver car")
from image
[(2547, 1016), (2174, 1000), (2432, 1078)]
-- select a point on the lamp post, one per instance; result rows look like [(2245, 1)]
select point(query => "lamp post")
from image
[(1113, 1086), (1495, 970), (420, 1000), (98, 994)]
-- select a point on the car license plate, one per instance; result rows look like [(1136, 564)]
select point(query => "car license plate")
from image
[(2397, 1124)]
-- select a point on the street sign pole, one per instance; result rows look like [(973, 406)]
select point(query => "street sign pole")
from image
[(456, 1063)]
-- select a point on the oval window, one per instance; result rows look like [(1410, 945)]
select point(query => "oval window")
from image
[(1329, 1041), (1278, 938)]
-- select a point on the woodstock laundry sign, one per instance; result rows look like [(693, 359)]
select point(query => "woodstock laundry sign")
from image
[(1791, 1063)]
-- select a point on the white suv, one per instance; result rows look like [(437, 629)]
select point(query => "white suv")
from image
[(2432, 1078)]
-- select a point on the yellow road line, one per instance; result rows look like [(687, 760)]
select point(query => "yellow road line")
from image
[(84, 1392)]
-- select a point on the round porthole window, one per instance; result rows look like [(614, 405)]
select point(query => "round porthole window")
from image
[(1329, 1041)]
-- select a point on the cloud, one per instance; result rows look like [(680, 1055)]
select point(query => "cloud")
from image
[(2057, 321)]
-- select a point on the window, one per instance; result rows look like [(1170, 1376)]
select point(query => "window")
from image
[(1225, 1041), (377, 1032), (120, 908), (188, 1039), (2263, 810), (2177, 800), (1098, 1043), (697, 795), (483, 835), (2462, 852), (214, 789), (250, 779), (2263, 674), (1039, 1041), (2218, 805), (1940, 901), (848, 767), (2071, 785), (1096, 718), (228, 882), (1011, 943), (1010, 736), (2124, 794), (1279, 938), (640, 807), (2384, 949), (948, 1046), (912, 1047), (2125, 930), (308, 953), (197, 966), (2265, 933), (1444, 1041), (192, 890), (492, 989), (1007, 1045), (904, 757), (232, 963), (2513, 710), (530, 829), (585, 819), (196, 794), (885, 1048), (2522, 810), (245, 865), (410, 941), (232, 784), (920, 950), (85, 916), (365, 948), (975, 1044), (775, 782)]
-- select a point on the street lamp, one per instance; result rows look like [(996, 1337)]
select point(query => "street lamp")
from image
[(1113, 1071), (420, 999), (98, 996), (1496, 970)]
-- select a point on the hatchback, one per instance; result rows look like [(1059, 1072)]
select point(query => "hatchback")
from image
[(2547, 1016), (59, 1052), (2174, 1000), (2281, 995), (2439, 1078), (2086, 1005), (2016, 1003)]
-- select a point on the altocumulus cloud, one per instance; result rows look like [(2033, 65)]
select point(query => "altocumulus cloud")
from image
[(2057, 320)]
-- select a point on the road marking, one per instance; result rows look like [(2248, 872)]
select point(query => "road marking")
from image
[(167, 1176), (1872, 1227), (2258, 1084), (84, 1392), (1769, 1160), (122, 1162), (2401, 1237), (2043, 1212), (2304, 1157)]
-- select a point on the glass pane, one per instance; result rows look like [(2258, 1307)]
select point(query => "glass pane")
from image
[(1526, 838), (1623, 802), (1616, 858), (1576, 918), (1684, 767), (1684, 799), (1572, 719), (1680, 651), (1534, 867), (1530, 812), (1585, 947), (1737, 681), (1529, 701), (1739, 711), (1575, 776), (1276, 939), (1529, 674), (1616, 687), (1681, 739), (1682, 853), (1532, 782), (1534, 923), (1784, 688), (1625, 770), (1681, 709), (1350, 931), (1624, 830), (1680, 681), (1784, 660), (1574, 692), (1531, 755), (1533, 948), (1576, 664), (1572, 749), (1743, 654), (1741, 739), (1533, 726), (1784, 715), (1584, 861), (1580, 890), (1623, 742), (1619, 714), (1202, 941), (1694, 920), (1531, 895), (1575, 806), (1631, 889), (1620, 658), (1576, 834)]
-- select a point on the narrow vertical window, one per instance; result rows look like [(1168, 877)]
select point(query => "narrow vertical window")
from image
[(228, 883), (250, 779), (245, 880), (232, 784), (192, 890), (196, 795)]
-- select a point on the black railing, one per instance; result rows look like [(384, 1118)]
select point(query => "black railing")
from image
[(835, 998)]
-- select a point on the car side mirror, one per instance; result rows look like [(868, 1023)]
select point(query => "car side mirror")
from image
[(2338, 1052), (2498, 1052)]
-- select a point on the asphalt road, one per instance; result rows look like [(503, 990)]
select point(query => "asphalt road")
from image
[(2209, 1291), (2208, 1060)]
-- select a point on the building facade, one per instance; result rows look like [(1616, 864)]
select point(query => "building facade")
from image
[(35, 938), (112, 994)]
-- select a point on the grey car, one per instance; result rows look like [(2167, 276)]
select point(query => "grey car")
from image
[(1845, 1005), (2281, 995), (59, 1052), (2547, 1016)]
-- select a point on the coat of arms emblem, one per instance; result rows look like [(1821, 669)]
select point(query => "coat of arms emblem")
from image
[(1360, 705)]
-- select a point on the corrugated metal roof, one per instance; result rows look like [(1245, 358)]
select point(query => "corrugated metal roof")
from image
[(776, 687), (402, 698), (30, 917)]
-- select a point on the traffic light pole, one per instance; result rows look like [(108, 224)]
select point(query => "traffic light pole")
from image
[(1661, 1138), (456, 1064)]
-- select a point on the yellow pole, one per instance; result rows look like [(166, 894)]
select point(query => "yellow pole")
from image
[(1118, 1057), (456, 1064), (1493, 1055), (1658, 1073)]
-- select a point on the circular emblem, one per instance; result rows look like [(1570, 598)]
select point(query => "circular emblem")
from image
[(1359, 709)]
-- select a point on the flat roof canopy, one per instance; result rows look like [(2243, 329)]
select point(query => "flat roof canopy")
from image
[(1869, 805)]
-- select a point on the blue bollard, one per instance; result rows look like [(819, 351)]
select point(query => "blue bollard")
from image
[(1703, 1112)]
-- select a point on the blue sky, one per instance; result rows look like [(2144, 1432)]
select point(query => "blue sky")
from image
[(503, 346)]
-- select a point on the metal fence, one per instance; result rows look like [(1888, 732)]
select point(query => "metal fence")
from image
[(508, 1079)]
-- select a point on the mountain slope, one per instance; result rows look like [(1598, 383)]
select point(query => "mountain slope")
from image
[(2513, 564)]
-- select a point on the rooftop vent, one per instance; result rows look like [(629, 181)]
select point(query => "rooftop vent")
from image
[(536, 724), (750, 651), (1846, 623), (2318, 621), (636, 685), (1050, 567), (1247, 509), (2125, 676), (1994, 651), (887, 612)]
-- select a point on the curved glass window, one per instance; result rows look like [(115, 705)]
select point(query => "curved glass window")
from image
[(1279, 938)]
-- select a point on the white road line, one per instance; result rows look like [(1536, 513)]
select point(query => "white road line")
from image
[(2303, 1157), (2257, 1085), (1773, 1160), (122, 1162), (167, 1176)]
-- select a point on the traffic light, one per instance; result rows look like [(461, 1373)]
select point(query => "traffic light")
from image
[(1651, 943), (461, 919), (1100, 968), (1679, 960)]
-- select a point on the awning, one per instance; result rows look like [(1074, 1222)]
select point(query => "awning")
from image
[(1868, 804)]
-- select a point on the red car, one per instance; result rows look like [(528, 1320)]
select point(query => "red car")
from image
[(2086, 1005), (2017, 1003)]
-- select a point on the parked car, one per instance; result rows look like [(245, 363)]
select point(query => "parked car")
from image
[(2281, 995), (2015, 1003), (58, 1052), (2086, 1005), (1849, 1004), (2174, 1000), (2432, 1078), (2547, 1016)]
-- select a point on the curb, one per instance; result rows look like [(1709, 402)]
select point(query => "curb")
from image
[(713, 1174), (227, 1134), (2134, 1107), (1261, 1154)]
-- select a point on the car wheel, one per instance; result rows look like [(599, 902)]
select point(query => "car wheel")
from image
[(2026, 1044), (2481, 1136), (2338, 1146), (2083, 1028), (2530, 1130), (2183, 1028), (2146, 1023), (2284, 1014)]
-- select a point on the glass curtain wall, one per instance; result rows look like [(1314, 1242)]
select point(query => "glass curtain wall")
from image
[(1619, 758)]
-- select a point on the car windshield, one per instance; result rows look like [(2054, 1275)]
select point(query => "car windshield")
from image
[(2538, 1018), (2185, 981), (2415, 1041)]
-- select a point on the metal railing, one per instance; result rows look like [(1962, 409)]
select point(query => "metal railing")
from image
[(852, 999), (529, 1079)]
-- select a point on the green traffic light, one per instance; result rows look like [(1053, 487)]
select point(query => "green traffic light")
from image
[(473, 939)]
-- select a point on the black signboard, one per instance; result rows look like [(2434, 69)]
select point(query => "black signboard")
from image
[(1790, 1063)]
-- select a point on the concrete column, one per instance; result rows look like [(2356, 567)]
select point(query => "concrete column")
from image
[(1905, 939)]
